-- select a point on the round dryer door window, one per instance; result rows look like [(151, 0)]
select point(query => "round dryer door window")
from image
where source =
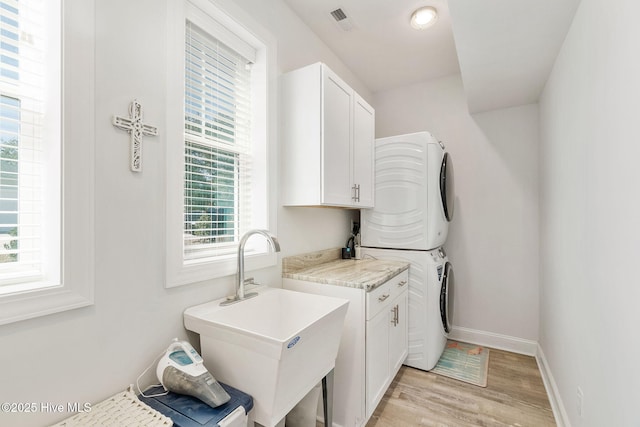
[(446, 298), (446, 186)]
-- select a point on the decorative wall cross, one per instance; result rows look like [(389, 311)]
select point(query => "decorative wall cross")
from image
[(133, 124)]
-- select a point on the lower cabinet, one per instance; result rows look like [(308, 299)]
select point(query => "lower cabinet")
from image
[(386, 344), (373, 346)]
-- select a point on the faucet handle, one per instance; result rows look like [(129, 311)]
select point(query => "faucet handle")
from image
[(249, 281)]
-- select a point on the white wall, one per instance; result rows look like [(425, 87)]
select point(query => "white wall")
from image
[(88, 354), (493, 239), (590, 216)]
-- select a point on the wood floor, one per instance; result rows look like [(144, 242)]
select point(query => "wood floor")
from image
[(514, 396)]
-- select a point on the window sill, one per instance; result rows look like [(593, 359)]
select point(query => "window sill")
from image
[(193, 273), (27, 305)]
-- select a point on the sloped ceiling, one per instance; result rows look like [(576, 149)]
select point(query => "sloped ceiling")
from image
[(504, 49)]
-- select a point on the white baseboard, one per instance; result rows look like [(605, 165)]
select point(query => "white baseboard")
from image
[(559, 412), (489, 339)]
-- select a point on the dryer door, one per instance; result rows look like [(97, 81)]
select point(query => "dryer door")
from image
[(446, 186), (446, 298)]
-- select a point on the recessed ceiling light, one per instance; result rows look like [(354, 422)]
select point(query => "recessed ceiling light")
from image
[(424, 17)]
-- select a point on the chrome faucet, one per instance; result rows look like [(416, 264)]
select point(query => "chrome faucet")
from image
[(240, 295)]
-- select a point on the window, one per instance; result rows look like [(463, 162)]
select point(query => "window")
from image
[(9, 182), (218, 160), (32, 181), (217, 189), (26, 140)]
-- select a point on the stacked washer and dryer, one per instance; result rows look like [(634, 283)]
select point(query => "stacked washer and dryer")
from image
[(410, 222)]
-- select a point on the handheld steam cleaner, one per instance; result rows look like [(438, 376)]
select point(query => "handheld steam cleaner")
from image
[(181, 370)]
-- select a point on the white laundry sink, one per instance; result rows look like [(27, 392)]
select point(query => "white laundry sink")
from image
[(275, 347)]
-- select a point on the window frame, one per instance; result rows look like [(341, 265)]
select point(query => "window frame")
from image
[(236, 22), (75, 171)]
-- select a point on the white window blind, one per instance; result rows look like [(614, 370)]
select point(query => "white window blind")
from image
[(24, 143), (218, 158)]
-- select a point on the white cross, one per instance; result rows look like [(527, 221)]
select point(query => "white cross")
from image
[(133, 124)]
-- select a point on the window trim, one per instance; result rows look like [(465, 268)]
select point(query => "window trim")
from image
[(239, 23), (77, 246)]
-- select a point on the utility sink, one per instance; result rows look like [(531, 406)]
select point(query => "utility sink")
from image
[(276, 346)]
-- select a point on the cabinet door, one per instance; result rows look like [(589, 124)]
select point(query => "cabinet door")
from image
[(363, 151), (398, 334), (377, 358), (336, 154)]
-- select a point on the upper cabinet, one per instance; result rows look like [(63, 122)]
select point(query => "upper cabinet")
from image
[(327, 141)]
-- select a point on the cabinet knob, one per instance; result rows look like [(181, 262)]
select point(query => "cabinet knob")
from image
[(402, 283), (383, 297)]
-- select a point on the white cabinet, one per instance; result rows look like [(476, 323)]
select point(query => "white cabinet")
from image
[(377, 359), (334, 142), (372, 348), (386, 337), (327, 141), (363, 152)]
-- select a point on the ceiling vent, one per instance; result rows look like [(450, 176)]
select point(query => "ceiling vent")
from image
[(341, 18)]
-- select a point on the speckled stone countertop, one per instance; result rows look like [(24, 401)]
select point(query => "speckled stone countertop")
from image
[(327, 267)]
